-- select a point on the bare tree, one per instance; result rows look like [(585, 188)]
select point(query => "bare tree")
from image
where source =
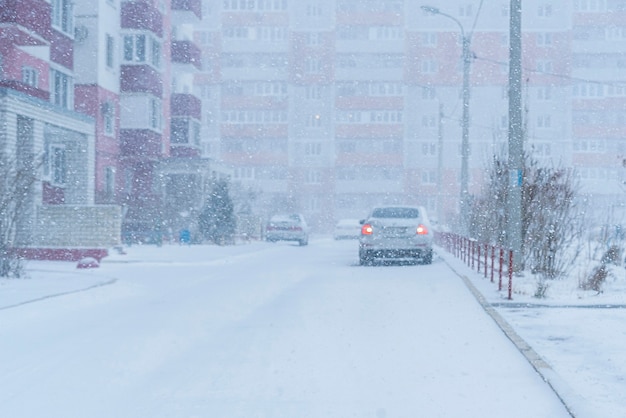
[(551, 227), (17, 177)]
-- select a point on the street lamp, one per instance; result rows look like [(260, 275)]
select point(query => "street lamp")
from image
[(464, 198)]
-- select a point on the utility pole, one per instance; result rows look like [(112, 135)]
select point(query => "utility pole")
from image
[(440, 216), (465, 148), (516, 136)]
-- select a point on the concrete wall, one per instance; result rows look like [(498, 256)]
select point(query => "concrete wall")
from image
[(77, 226)]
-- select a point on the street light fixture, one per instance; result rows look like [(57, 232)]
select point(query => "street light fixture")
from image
[(464, 198)]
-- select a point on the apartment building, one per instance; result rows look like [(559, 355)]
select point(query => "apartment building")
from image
[(40, 128), (330, 107)]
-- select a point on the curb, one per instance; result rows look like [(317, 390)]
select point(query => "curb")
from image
[(573, 402)]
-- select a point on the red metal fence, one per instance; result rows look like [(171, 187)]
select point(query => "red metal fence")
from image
[(486, 258)]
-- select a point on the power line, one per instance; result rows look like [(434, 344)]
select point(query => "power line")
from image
[(556, 75)]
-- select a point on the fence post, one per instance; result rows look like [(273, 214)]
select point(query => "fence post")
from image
[(486, 252), (510, 274), (478, 257), (493, 257), (501, 266)]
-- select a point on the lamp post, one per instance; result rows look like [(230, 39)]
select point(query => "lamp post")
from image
[(464, 198)]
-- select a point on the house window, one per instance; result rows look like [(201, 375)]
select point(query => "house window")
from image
[(109, 181), (55, 165), (63, 16), (30, 76), (110, 51), (61, 89)]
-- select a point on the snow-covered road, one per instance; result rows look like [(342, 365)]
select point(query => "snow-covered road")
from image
[(261, 330)]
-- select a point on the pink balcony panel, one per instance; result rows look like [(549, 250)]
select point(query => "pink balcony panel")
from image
[(141, 142), (186, 105), (141, 79), (26, 89), (186, 52), (140, 14), (33, 15), (194, 6)]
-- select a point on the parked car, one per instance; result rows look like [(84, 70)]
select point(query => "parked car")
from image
[(347, 229), (396, 232), (288, 227)]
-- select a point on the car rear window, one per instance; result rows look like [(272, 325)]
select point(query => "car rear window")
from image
[(396, 213)]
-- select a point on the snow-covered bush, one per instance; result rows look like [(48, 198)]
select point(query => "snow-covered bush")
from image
[(551, 224)]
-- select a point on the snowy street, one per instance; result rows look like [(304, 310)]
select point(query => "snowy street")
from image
[(257, 330)]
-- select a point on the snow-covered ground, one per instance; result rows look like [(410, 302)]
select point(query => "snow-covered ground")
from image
[(262, 330), (580, 334)]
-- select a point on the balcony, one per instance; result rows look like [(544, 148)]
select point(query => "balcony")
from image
[(187, 54), (141, 79), (186, 11), (33, 15), (184, 104), (141, 143), (141, 15), (25, 88)]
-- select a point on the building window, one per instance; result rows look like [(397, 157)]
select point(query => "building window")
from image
[(313, 65), (544, 66), (109, 181), (544, 39), (61, 89), (429, 39), (465, 10), (544, 121), (135, 48), (154, 115), (156, 53), (314, 121), (142, 48), (108, 117), (313, 38), (313, 176), (314, 92), (544, 10), (429, 66), (30, 76), (428, 93), (110, 51), (313, 148), (55, 165), (63, 16)]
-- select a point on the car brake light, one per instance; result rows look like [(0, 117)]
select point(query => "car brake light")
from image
[(367, 229), (421, 230)]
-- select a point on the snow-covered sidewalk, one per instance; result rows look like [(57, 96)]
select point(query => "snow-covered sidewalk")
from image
[(574, 338)]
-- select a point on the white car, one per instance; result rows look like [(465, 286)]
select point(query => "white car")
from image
[(288, 227), (396, 232), (347, 229)]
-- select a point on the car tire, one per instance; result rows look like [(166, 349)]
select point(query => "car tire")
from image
[(364, 258), (303, 242), (428, 257)]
